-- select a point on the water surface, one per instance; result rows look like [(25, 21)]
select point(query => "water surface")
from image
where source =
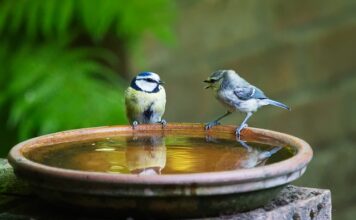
[(158, 154)]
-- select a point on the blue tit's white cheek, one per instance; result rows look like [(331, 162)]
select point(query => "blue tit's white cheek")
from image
[(155, 77), (146, 86)]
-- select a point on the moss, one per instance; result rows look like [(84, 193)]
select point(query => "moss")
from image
[(9, 183)]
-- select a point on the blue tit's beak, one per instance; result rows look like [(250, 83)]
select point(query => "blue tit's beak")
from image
[(161, 82)]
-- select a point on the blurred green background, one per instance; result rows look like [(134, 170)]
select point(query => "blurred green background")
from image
[(65, 64)]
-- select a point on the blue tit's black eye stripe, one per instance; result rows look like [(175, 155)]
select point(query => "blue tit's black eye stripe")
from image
[(150, 80)]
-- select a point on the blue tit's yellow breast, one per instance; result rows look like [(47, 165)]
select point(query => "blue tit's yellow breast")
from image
[(138, 101)]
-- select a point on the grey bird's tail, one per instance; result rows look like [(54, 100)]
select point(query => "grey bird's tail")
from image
[(278, 104)]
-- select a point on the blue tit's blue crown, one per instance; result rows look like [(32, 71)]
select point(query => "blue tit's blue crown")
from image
[(145, 74)]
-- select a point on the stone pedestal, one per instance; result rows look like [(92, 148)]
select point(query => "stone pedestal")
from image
[(293, 203)]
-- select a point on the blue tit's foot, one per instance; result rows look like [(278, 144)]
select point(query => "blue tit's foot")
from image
[(238, 130), (208, 138), (134, 124), (211, 139), (163, 123), (211, 124)]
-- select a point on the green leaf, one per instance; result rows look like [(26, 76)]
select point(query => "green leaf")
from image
[(62, 91), (5, 11), (33, 14), (64, 16), (18, 9), (49, 8)]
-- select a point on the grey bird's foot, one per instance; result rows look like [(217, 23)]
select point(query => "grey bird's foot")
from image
[(163, 123), (238, 130), (134, 124), (211, 124), (246, 146)]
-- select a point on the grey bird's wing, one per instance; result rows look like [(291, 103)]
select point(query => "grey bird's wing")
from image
[(249, 92)]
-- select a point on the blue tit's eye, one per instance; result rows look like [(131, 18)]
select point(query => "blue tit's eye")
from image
[(150, 80)]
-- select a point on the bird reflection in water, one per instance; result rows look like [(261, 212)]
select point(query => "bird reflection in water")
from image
[(155, 154), (250, 158), (256, 157), (146, 155)]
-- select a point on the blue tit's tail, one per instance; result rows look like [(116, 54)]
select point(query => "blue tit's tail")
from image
[(278, 104)]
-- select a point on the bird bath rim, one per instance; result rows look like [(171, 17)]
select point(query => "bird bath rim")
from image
[(208, 183)]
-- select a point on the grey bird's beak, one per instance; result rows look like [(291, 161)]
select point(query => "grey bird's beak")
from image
[(161, 82), (207, 81)]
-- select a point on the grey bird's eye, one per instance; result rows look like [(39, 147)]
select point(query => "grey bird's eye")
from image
[(213, 80), (210, 80)]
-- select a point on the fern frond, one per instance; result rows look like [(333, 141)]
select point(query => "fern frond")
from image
[(126, 19), (55, 89)]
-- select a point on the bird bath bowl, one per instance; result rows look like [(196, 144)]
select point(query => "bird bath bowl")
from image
[(179, 171)]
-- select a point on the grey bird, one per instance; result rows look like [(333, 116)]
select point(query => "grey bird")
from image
[(256, 157), (235, 93)]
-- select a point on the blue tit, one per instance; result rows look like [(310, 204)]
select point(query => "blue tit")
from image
[(235, 93), (145, 99), (146, 155)]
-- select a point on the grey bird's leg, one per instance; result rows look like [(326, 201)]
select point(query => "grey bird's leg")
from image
[(216, 121), (134, 124), (243, 124), (163, 122), (246, 146)]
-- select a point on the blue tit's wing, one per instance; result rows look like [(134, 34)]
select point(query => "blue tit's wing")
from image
[(249, 92)]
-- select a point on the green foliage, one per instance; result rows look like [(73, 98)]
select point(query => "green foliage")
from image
[(50, 78), (95, 18), (53, 89)]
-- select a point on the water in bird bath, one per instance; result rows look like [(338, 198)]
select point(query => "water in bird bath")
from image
[(155, 154)]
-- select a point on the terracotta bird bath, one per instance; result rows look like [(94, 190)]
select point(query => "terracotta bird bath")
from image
[(208, 193)]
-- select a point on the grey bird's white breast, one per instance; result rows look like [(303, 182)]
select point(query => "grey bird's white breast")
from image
[(228, 98)]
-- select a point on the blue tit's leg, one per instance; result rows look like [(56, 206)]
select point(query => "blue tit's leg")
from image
[(216, 121), (134, 124), (211, 139), (163, 122), (243, 125)]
